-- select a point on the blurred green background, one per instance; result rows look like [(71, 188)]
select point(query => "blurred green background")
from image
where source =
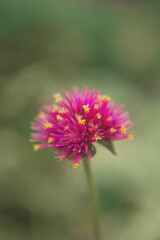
[(46, 46)]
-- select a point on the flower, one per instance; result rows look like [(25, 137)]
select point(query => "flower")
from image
[(71, 126)]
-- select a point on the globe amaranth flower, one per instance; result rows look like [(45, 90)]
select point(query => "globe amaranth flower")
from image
[(71, 126)]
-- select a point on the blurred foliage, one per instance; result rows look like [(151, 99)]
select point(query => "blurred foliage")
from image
[(49, 45)]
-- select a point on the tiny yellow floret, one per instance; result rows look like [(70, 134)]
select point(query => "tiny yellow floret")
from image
[(59, 117), (123, 129), (96, 106), (97, 138), (41, 115), (86, 108), (50, 139), (99, 116), (62, 110), (106, 98), (75, 165), (81, 121), (47, 125), (36, 147), (57, 97), (130, 136), (112, 130), (109, 119)]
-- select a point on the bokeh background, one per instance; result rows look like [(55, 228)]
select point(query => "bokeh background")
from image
[(46, 46)]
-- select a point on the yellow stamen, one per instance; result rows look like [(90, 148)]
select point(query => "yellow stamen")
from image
[(36, 147), (123, 129), (59, 117), (81, 121), (57, 97), (109, 119), (41, 115), (62, 110), (75, 165), (96, 106), (106, 98), (47, 125), (50, 139), (98, 115), (112, 130), (86, 108), (130, 136), (97, 138)]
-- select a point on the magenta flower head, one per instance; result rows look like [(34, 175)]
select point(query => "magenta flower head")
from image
[(73, 124)]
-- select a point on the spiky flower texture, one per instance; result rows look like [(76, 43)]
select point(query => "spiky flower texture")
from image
[(71, 126)]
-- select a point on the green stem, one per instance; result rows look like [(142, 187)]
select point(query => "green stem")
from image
[(94, 200)]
